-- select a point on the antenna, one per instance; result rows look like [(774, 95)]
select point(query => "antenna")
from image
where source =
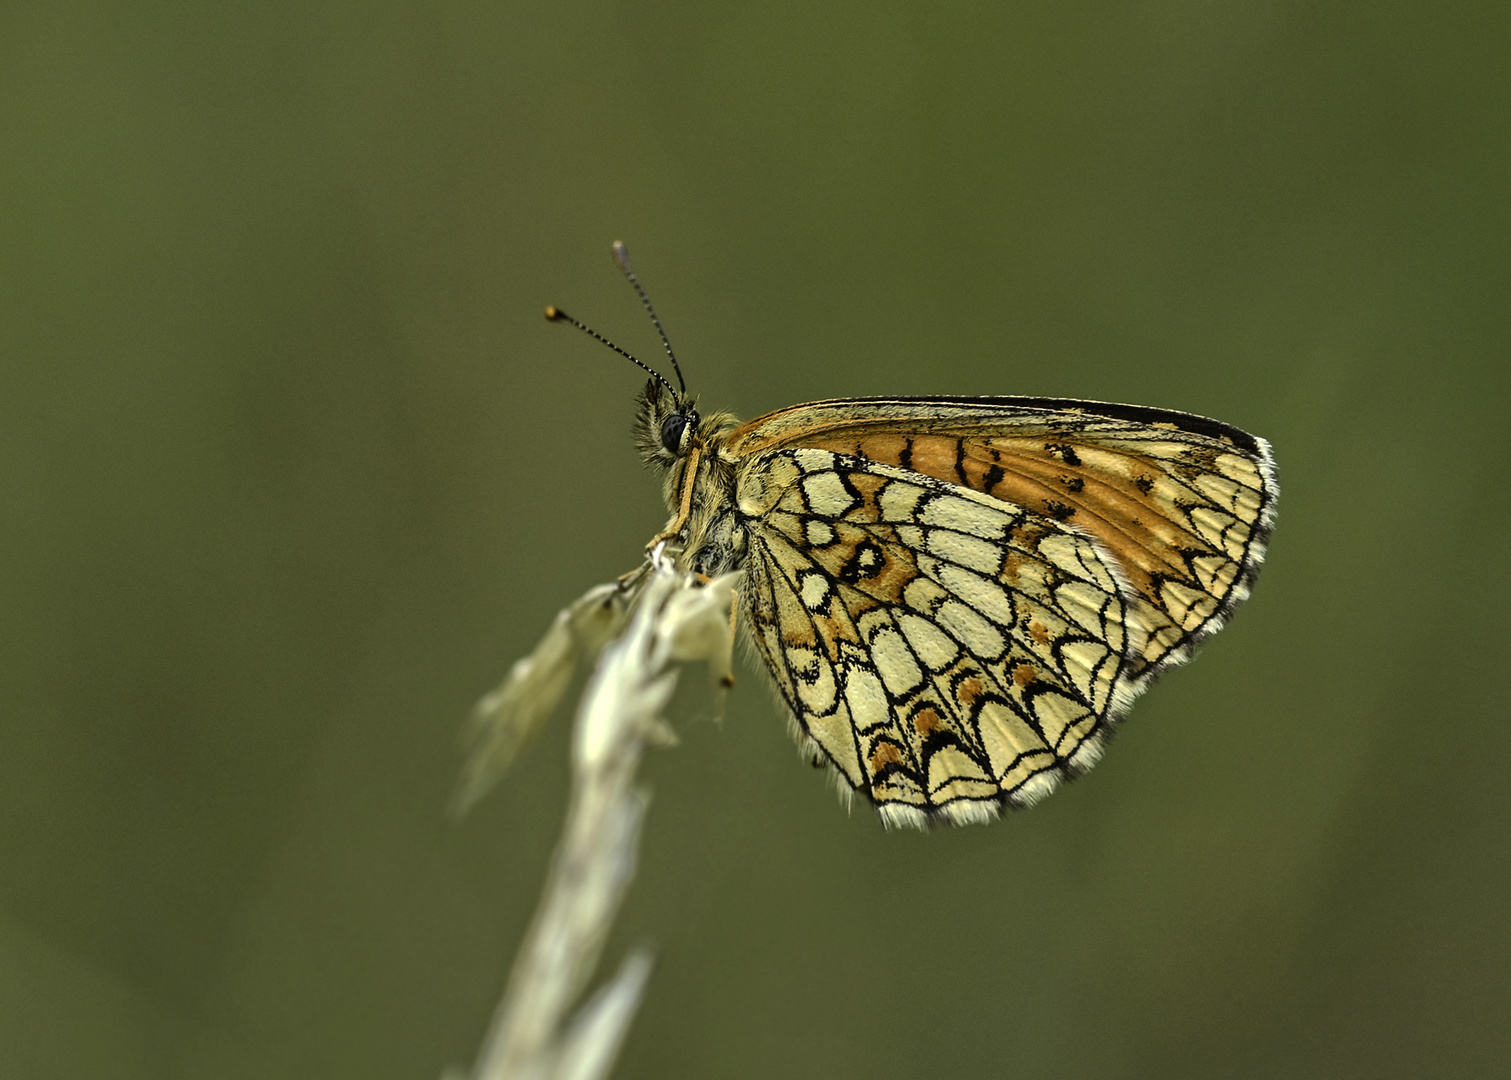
[(555, 314), (622, 259)]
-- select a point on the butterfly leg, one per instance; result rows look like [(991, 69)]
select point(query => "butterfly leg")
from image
[(685, 503), (728, 681), (632, 580)]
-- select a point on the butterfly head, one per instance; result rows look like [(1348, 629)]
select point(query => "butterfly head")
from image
[(666, 424)]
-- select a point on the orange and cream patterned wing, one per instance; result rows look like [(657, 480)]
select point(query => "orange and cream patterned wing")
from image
[(1181, 506), (957, 599), (944, 650)]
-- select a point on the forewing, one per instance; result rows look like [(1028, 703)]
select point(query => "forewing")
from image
[(945, 650), (1180, 506)]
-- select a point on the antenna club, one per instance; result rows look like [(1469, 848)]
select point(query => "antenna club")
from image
[(555, 314), (621, 255)]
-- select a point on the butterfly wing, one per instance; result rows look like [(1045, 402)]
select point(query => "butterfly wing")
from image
[(1181, 505), (956, 599), (944, 650)]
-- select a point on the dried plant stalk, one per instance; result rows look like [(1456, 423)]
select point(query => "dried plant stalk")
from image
[(661, 618)]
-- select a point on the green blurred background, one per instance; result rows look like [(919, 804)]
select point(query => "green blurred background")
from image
[(293, 469)]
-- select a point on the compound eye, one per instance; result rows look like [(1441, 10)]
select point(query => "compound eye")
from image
[(671, 432)]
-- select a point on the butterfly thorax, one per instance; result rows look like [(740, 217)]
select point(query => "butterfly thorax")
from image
[(704, 533)]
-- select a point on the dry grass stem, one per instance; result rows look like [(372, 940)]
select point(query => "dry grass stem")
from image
[(663, 618)]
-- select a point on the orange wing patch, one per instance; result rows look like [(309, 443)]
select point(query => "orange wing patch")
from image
[(1175, 513)]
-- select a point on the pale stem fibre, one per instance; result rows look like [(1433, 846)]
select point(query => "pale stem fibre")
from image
[(645, 630)]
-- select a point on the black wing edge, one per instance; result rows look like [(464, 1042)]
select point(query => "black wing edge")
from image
[(1138, 414)]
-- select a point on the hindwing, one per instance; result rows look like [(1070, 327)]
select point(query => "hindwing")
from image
[(944, 650)]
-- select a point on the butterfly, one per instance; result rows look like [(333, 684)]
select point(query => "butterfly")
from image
[(958, 598)]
